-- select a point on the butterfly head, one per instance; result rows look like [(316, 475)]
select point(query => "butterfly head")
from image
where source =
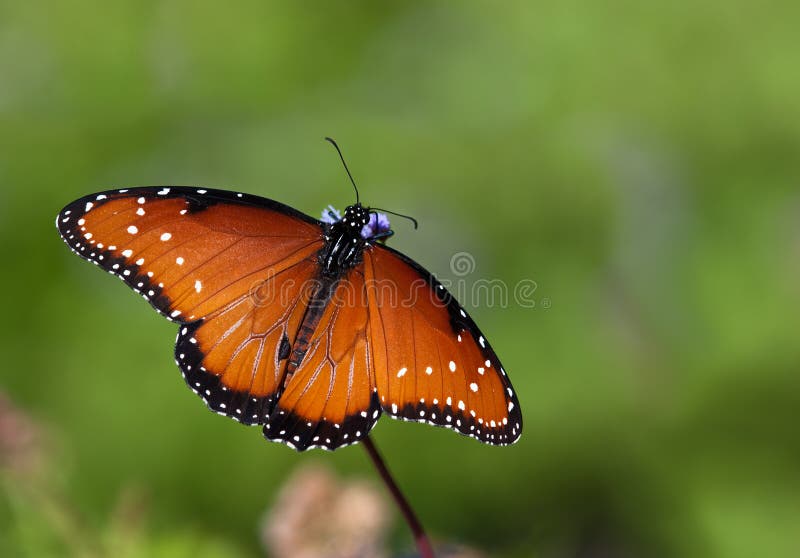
[(356, 217)]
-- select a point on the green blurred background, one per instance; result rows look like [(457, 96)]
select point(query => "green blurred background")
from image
[(638, 161)]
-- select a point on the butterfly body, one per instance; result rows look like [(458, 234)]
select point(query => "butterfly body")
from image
[(311, 329)]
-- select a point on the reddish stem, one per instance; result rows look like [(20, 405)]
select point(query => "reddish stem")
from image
[(420, 538)]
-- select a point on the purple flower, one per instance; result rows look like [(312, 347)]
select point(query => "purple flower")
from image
[(331, 215), (378, 223)]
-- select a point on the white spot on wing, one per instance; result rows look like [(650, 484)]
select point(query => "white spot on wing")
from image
[(198, 285), (166, 236), (133, 229), (179, 260), (452, 366), (402, 372)]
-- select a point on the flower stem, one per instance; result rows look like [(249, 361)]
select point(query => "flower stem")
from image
[(420, 538)]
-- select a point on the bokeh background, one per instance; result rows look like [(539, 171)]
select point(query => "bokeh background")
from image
[(638, 161)]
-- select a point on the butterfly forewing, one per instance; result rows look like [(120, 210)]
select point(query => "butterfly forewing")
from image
[(229, 267), (439, 368)]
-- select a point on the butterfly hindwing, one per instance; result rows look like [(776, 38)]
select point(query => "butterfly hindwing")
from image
[(331, 400), (234, 358)]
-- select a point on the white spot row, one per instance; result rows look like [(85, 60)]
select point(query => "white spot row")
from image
[(487, 436)]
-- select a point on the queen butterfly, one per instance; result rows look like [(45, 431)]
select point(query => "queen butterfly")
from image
[(310, 328)]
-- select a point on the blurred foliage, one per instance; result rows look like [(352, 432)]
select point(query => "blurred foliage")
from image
[(637, 160)]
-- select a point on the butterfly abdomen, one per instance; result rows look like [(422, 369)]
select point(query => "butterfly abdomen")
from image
[(320, 298)]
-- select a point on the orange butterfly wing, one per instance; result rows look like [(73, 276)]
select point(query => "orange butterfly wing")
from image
[(435, 364), (231, 268), (330, 400)]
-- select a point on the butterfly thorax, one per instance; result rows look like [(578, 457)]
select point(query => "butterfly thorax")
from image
[(344, 242)]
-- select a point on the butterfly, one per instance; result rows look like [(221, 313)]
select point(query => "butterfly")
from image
[(311, 328)]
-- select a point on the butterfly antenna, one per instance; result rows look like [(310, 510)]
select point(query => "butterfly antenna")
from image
[(339, 151), (416, 225)]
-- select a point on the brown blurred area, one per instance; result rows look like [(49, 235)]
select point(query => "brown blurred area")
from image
[(22, 441), (317, 515)]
